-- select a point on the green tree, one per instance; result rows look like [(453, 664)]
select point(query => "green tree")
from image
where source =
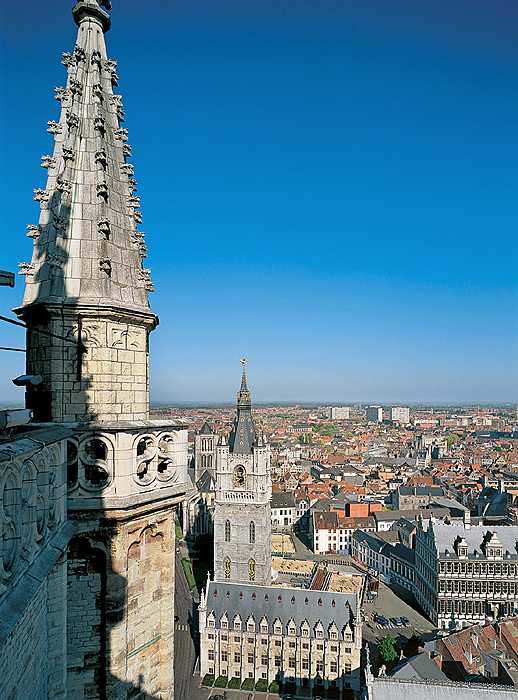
[(450, 439), (387, 649)]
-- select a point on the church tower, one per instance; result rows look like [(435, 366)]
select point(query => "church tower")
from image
[(242, 516), (88, 321)]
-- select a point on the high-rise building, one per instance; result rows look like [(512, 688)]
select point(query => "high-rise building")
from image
[(400, 414), (242, 515), (91, 519), (339, 412), (374, 414)]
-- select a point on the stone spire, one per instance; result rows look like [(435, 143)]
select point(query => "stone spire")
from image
[(86, 246), (243, 433), (86, 279)]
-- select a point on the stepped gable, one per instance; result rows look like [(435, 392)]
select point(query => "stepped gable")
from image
[(87, 249)]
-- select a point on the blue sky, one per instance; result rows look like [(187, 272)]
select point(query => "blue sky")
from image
[(328, 187)]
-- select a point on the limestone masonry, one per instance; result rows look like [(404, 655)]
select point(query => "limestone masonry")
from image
[(89, 492)]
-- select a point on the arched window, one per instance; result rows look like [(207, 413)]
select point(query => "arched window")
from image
[(252, 532), (251, 570), (227, 567), (209, 461), (227, 530)]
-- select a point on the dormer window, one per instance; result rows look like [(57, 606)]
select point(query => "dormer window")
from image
[(333, 634)]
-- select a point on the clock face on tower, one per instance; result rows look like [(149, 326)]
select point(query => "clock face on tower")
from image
[(239, 476)]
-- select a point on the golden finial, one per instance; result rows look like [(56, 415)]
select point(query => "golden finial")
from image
[(243, 362)]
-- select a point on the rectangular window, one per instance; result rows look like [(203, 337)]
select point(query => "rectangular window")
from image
[(277, 642), (264, 660), (305, 663), (264, 641), (211, 654), (224, 655), (250, 640), (305, 645), (292, 645), (237, 657), (320, 666), (250, 658), (291, 662), (333, 667), (277, 662)]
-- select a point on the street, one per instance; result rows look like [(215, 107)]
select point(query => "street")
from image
[(186, 686)]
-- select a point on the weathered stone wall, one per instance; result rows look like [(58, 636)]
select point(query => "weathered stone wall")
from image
[(114, 370), (23, 662), (33, 540), (121, 606), (240, 550)]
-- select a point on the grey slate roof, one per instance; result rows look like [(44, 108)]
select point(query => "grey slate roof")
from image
[(445, 536), (282, 499), (384, 515), (420, 666), (284, 603), (206, 430), (370, 539), (206, 482)]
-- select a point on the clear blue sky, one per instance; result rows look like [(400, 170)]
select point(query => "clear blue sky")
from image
[(329, 188)]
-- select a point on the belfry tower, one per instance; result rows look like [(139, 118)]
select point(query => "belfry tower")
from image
[(242, 515), (88, 320)]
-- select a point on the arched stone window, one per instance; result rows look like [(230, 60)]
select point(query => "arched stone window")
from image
[(227, 567), (251, 570), (227, 530), (252, 532)]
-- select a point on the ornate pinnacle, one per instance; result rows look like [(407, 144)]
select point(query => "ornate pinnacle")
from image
[(92, 9)]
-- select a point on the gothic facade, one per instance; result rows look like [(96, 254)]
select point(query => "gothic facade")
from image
[(242, 514), (205, 440), (251, 631)]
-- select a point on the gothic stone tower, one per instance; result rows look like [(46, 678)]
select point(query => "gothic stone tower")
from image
[(205, 440), (87, 312), (242, 516)]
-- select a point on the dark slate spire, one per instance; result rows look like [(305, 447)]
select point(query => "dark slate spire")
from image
[(242, 435)]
